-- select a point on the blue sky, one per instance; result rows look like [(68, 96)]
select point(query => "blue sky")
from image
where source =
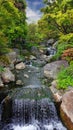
[(33, 10)]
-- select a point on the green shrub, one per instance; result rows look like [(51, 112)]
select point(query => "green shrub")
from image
[(65, 77), (30, 45), (65, 42)]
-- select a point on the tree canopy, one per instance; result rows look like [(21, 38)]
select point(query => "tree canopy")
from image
[(13, 26), (58, 18)]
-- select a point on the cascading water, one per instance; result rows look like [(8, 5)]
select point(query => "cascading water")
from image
[(34, 115), (31, 106)]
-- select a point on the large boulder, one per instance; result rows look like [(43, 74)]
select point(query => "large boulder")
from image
[(57, 94), (7, 75), (20, 66), (51, 70), (66, 109)]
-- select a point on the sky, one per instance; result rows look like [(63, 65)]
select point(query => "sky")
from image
[(33, 10)]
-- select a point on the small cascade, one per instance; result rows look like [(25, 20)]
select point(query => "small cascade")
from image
[(50, 51), (34, 115)]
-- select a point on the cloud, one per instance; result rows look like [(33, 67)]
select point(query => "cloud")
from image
[(36, 3), (32, 15), (33, 10)]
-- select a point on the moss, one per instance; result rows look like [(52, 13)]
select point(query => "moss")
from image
[(4, 60)]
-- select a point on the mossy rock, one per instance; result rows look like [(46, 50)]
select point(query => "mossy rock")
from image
[(4, 60)]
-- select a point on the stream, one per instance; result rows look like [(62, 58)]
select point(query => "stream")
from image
[(31, 106)]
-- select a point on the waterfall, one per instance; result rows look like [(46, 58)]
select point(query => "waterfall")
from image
[(34, 115), (31, 106)]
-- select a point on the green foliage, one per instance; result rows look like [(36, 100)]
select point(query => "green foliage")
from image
[(65, 77), (3, 44), (29, 45), (33, 37), (57, 18), (65, 42), (12, 23), (66, 39)]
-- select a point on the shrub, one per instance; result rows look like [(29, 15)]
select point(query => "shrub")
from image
[(65, 77), (68, 54), (65, 42)]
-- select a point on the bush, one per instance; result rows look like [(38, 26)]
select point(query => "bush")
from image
[(65, 42), (68, 54), (65, 77)]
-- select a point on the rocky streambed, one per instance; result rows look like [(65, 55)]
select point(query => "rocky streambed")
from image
[(27, 103)]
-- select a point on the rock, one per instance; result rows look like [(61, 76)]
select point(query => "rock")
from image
[(17, 51), (7, 75), (6, 108), (19, 82), (1, 83), (40, 62), (57, 97), (20, 66), (17, 71), (12, 57), (26, 76), (41, 51), (51, 70), (50, 42), (45, 58), (19, 59), (11, 66), (57, 94), (54, 83), (34, 49), (25, 52), (32, 57), (55, 44), (66, 109)]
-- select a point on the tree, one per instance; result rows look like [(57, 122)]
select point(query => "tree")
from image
[(13, 21), (58, 16), (33, 36)]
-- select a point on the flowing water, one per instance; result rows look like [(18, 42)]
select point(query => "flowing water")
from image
[(31, 106)]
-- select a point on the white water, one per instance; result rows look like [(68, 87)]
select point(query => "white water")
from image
[(58, 126), (29, 127)]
